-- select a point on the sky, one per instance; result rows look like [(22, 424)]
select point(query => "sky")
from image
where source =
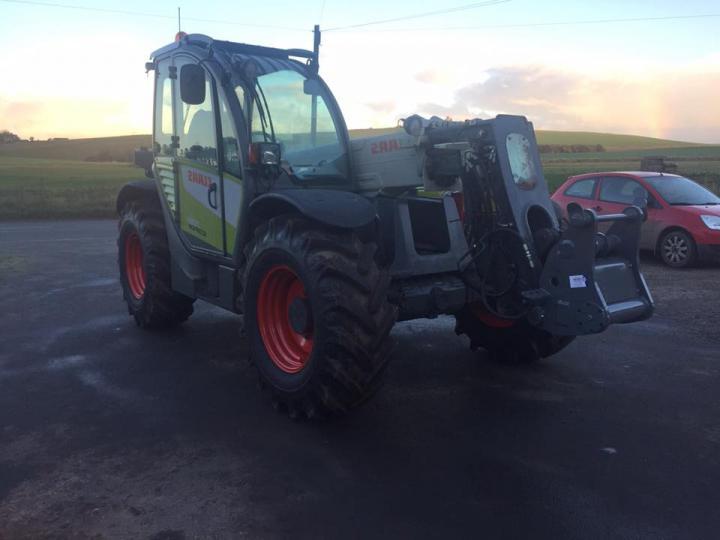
[(68, 72)]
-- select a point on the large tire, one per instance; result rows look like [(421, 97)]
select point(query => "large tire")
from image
[(317, 316), (677, 249), (144, 263), (520, 343)]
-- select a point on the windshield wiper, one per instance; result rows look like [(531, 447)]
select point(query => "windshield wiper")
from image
[(265, 120)]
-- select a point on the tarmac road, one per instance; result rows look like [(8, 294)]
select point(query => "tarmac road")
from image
[(110, 431)]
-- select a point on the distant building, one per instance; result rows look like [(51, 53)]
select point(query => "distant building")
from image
[(658, 164)]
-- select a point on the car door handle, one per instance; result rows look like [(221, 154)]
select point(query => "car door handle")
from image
[(598, 208)]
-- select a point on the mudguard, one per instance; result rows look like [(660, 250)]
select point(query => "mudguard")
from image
[(142, 190), (330, 207)]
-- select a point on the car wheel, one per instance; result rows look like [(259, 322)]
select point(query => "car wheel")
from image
[(677, 249)]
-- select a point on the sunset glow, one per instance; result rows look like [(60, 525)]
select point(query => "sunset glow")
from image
[(79, 73)]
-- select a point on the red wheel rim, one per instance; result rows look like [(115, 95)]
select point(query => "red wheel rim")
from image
[(134, 269), (288, 349), (488, 318)]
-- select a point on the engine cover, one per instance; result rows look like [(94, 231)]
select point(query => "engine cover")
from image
[(391, 160)]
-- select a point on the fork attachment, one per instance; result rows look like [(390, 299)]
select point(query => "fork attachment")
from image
[(593, 279)]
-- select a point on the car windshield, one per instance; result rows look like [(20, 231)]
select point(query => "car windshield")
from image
[(680, 191), (292, 111)]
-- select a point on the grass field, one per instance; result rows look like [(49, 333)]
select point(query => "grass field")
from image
[(121, 148), (701, 163), (557, 173), (54, 179), (50, 188)]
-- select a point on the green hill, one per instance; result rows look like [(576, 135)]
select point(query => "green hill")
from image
[(610, 141), (75, 178), (121, 148), (97, 149)]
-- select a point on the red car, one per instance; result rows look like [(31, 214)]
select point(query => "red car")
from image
[(683, 224)]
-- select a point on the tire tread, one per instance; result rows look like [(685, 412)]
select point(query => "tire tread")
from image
[(352, 291), (161, 306)]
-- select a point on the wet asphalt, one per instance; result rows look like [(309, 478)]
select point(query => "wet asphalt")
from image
[(113, 432)]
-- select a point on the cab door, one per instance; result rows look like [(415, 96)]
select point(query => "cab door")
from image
[(232, 172), (197, 168), (164, 139)]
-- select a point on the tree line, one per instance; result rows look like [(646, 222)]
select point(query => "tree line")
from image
[(8, 137), (569, 148)]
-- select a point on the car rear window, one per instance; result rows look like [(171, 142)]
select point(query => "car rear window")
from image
[(583, 189)]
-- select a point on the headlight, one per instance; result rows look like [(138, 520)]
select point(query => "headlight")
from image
[(712, 222), (414, 125)]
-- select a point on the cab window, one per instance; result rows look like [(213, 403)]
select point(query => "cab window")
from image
[(162, 141), (196, 128), (293, 111), (230, 144), (583, 189)]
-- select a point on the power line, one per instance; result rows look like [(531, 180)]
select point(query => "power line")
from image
[(322, 12), (550, 23), (353, 27), (419, 15), (146, 14)]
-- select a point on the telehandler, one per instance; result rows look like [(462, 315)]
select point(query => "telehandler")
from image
[(259, 202)]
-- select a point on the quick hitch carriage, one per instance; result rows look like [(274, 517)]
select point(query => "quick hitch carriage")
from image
[(258, 201)]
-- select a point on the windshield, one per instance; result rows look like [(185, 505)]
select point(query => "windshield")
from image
[(681, 191), (291, 110)]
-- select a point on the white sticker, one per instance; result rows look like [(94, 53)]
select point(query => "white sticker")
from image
[(577, 282)]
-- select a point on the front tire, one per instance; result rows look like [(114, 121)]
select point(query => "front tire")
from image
[(144, 264), (519, 343), (316, 315), (677, 249)]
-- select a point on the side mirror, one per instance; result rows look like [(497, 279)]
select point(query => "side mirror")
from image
[(311, 87), (192, 84), (264, 154)]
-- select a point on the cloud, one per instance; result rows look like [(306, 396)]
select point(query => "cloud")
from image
[(382, 107), (430, 76), (684, 106)]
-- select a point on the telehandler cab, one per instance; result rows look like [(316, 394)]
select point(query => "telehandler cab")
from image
[(258, 201)]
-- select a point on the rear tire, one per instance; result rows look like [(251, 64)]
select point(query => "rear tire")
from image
[(144, 264), (316, 316), (520, 343), (677, 249)]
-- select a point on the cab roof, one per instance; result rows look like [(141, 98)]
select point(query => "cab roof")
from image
[(231, 47)]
